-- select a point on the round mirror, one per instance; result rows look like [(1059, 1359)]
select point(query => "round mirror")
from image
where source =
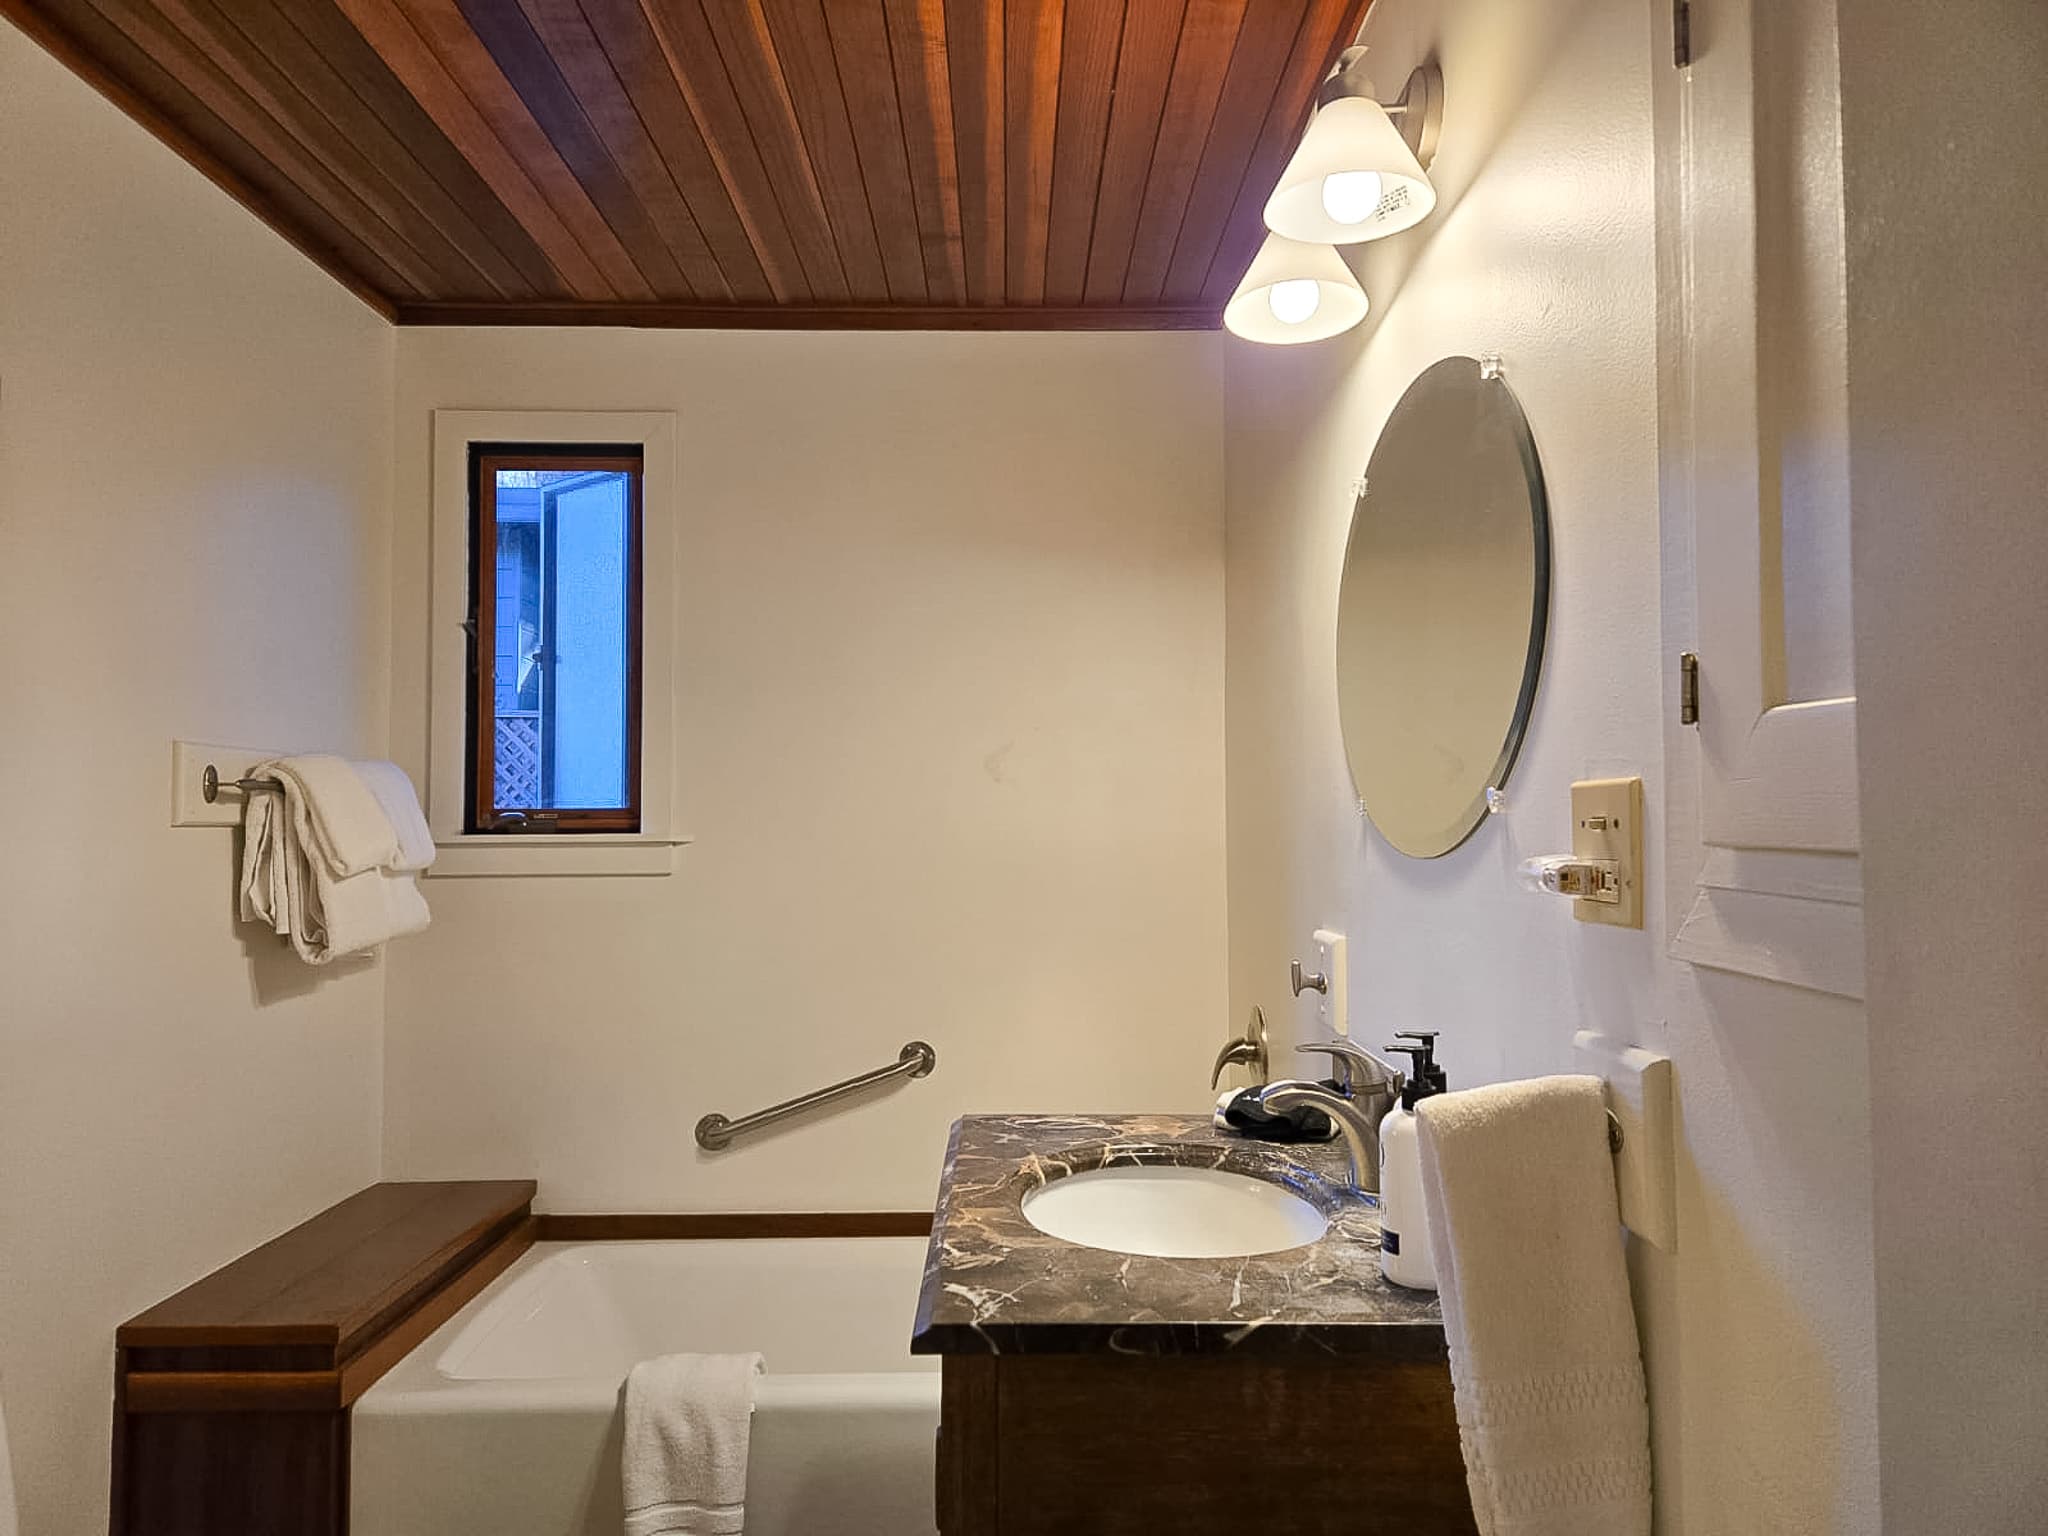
[(1441, 616)]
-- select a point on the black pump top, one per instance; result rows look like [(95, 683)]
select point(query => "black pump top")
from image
[(1426, 1077)]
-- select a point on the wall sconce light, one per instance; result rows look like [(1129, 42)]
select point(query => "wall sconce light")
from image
[(1295, 292), (1357, 175)]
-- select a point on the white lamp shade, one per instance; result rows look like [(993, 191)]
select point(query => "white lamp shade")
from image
[(1353, 140), (1295, 292)]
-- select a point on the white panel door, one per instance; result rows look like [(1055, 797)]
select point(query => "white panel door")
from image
[(1764, 316), (1753, 310)]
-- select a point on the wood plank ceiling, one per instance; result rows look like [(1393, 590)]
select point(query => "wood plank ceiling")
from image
[(1042, 164)]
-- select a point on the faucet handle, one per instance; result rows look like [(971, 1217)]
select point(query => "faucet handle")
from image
[(1345, 1057), (1247, 1050)]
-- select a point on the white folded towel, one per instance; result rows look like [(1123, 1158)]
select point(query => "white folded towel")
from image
[(323, 861), (339, 814), (1518, 1187), (688, 1419), (400, 803)]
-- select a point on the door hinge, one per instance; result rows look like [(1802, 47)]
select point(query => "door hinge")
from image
[(1688, 689), (1681, 33)]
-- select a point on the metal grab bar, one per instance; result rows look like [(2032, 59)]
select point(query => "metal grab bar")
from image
[(715, 1132)]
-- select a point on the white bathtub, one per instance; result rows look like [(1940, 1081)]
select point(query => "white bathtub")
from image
[(506, 1421)]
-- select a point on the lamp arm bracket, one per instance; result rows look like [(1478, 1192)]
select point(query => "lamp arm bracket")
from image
[(1418, 111)]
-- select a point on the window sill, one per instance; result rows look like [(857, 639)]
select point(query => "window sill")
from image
[(555, 853)]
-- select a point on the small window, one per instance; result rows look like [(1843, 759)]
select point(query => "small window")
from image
[(554, 627)]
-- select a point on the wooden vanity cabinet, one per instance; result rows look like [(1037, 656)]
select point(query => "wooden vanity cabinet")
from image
[(1198, 1445)]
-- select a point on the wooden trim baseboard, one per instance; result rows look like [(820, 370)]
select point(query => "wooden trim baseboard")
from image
[(817, 317), (576, 1227), (233, 1391)]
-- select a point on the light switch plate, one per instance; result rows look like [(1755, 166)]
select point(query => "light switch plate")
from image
[(1607, 823), (1332, 1005)]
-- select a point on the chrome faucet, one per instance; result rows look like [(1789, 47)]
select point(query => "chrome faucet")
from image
[(1347, 1060), (1357, 1107), (1360, 1130)]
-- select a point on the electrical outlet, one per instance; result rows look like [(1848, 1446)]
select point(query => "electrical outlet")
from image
[(1332, 1011)]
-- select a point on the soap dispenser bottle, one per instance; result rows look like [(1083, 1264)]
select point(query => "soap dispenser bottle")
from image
[(1404, 1232)]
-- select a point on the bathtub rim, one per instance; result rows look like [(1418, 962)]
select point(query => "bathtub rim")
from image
[(417, 1384)]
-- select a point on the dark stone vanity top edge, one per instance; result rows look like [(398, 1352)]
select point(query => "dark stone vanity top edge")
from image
[(995, 1284)]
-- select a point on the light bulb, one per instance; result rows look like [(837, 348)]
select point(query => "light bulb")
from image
[(1350, 197), (1294, 299)]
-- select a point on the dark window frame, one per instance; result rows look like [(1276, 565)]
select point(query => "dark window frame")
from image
[(483, 814)]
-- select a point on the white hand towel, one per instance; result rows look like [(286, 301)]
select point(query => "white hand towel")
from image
[(1518, 1187), (688, 1419)]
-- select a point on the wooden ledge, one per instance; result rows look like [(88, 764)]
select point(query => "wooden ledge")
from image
[(315, 1391), (330, 1286), (231, 1398)]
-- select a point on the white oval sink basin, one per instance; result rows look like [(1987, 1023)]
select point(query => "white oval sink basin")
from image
[(1171, 1212)]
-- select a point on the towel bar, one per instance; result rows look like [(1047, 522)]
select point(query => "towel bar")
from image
[(1640, 1112), (715, 1132), (211, 784)]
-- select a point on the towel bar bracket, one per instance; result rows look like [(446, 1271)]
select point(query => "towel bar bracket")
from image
[(211, 784)]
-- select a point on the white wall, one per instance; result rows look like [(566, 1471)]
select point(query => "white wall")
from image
[(194, 451), (951, 737), (1540, 250), (1759, 1337), (1947, 386)]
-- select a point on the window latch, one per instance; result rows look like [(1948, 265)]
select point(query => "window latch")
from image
[(527, 822)]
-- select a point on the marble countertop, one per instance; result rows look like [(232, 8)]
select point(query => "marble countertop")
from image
[(995, 1284)]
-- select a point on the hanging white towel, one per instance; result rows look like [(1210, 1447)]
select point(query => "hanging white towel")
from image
[(400, 803), (1518, 1187), (688, 1420), (338, 813), (325, 865)]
